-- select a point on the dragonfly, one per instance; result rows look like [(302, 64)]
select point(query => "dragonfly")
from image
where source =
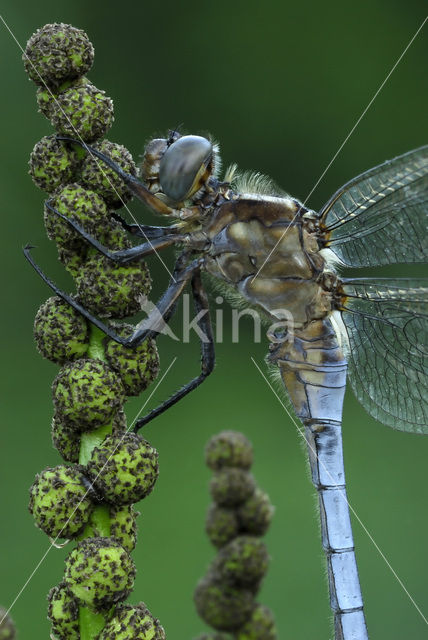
[(281, 258)]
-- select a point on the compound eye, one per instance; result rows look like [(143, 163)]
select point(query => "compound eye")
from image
[(184, 167)]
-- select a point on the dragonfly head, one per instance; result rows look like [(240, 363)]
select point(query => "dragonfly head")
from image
[(186, 166)]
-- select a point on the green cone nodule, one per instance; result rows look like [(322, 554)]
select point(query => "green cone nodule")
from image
[(59, 501), (243, 562), (61, 334), (136, 366), (123, 526), (87, 394), (99, 572), (82, 111), (132, 623), (223, 607), (124, 468), (100, 178), (52, 164), (85, 207), (110, 290), (56, 53), (63, 612), (221, 525), (65, 440), (230, 486), (229, 449), (255, 514)]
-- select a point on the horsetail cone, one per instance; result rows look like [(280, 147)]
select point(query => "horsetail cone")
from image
[(57, 52), (124, 468), (52, 164), (231, 486), (59, 501), (229, 449), (61, 334), (221, 525), (110, 290), (63, 612), (243, 562), (223, 607), (99, 572), (136, 366), (65, 440), (255, 514), (100, 178), (82, 111), (132, 622), (259, 626), (87, 394), (83, 206)]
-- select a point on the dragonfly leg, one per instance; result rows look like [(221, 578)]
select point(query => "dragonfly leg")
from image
[(134, 185), (150, 327), (144, 230), (124, 255), (164, 309), (207, 353), (70, 300)]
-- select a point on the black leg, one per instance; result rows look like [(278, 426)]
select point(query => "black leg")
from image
[(124, 255), (147, 329), (71, 301), (143, 230), (164, 308), (207, 353), (137, 187)]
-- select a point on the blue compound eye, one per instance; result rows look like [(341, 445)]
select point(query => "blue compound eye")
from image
[(184, 167)]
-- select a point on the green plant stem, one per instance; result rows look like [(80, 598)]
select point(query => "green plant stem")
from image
[(90, 622), (96, 347), (90, 440)]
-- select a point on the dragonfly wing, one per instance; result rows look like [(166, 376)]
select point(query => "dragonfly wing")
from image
[(387, 325), (381, 216)]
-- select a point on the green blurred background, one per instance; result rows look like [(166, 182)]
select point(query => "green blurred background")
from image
[(279, 84)]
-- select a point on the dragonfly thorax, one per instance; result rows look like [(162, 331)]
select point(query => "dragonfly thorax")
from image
[(268, 251)]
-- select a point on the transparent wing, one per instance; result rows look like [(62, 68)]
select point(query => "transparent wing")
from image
[(381, 216), (387, 325)]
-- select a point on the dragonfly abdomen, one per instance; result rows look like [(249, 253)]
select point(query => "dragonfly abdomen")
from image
[(313, 370)]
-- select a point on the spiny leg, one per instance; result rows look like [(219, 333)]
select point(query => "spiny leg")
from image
[(151, 326), (143, 230), (123, 255), (70, 300), (137, 187), (207, 353), (164, 308), (146, 329)]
